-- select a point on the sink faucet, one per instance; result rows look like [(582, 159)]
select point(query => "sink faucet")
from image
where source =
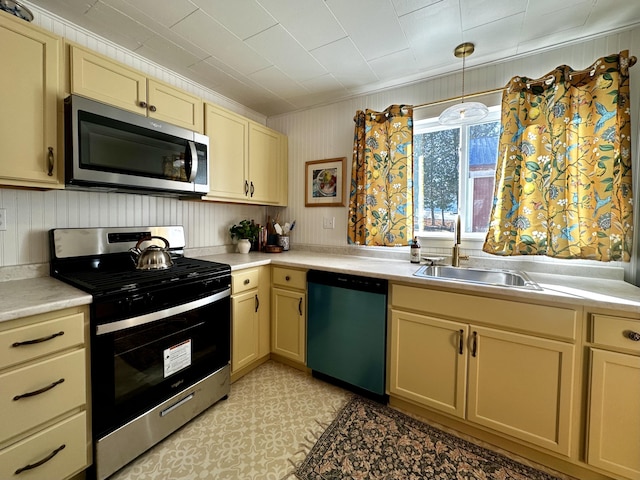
[(455, 254)]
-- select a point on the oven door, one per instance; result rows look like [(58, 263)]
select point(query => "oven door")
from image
[(139, 362)]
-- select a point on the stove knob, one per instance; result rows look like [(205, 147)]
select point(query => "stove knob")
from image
[(124, 305)]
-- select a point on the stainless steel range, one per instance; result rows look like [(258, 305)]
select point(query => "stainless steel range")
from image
[(160, 333)]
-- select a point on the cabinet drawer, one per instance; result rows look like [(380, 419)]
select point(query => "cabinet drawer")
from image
[(244, 280), (290, 278), (615, 332), (18, 415), (537, 319), (52, 335), (71, 432)]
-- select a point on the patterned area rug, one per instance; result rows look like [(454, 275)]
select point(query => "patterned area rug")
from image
[(371, 441)]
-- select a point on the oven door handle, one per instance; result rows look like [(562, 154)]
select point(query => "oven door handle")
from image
[(105, 328)]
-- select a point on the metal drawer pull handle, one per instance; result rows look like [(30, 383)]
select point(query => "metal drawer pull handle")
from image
[(178, 404), (461, 343), (51, 162), (252, 189), (247, 281), (246, 188), (257, 303), (38, 392), (37, 340), (474, 345), (41, 462), (300, 306), (631, 335), (287, 278)]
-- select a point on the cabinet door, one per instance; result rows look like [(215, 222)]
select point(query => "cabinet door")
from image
[(228, 153), (614, 413), (264, 312), (288, 329), (428, 361), (245, 329), (30, 79), (264, 165), (521, 385), (107, 81), (175, 106)]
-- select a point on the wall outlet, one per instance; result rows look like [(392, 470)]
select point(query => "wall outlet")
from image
[(329, 222), (3, 219)]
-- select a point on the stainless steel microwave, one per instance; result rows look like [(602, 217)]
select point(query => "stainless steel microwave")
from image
[(110, 149)]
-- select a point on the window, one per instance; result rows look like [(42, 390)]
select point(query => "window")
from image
[(454, 170)]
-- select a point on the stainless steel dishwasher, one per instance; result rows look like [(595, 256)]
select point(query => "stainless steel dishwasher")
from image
[(346, 329)]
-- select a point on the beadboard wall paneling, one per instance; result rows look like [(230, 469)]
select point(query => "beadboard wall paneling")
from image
[(327, 131), (31, 214)]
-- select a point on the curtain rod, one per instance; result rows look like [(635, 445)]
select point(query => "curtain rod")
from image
[(632, 62), (470, 95)]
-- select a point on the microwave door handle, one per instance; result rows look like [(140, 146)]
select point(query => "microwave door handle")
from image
[(194, 161)]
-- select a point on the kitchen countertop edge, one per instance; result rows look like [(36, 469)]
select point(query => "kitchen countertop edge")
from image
[(31, 296), (559, 289)]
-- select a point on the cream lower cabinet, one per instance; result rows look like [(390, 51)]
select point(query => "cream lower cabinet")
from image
[(250, 327), (44, 429), (614, 396), (512, 382), (289, 313), (30, 79), (248, 160), (100, 78)]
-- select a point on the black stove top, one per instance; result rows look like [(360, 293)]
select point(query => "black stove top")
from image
[(111, 274)]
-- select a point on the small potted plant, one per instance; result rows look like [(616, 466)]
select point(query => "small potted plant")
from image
[(246, 232)]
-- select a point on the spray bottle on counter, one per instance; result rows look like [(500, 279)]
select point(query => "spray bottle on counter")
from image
[(415, 251)]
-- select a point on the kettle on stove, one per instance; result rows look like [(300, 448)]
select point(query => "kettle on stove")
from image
[(153, 257)]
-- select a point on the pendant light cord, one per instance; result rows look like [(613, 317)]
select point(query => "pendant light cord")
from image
[(464, 57)]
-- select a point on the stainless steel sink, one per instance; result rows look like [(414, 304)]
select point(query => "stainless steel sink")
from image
[(503, 278)]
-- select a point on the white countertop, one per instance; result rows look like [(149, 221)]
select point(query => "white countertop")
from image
[(570, 290), (31, 296)]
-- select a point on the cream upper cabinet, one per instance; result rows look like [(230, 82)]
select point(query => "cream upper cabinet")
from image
[(105, 80), (248, 160), (264, 164), (455, 354), (613, 441), (43, 400), (30, 94), (289, 313), (228, 153)]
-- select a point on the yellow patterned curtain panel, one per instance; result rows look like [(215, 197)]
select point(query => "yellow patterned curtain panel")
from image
[(381, 193), (563, 179)]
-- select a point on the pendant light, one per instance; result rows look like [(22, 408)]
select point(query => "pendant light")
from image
[(463, 112)]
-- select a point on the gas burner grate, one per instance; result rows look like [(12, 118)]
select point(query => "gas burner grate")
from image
[(101, 281)]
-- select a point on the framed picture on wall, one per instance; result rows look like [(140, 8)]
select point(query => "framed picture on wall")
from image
[(325, 182)]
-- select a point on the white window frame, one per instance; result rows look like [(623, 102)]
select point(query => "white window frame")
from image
[(431, 124)]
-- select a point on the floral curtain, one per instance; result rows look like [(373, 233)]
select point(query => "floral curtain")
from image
[(381, 194), (563, 179)]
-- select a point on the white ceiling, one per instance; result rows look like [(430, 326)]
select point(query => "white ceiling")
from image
[(276, 56)]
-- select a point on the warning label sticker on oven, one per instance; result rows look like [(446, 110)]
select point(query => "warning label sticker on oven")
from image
[(177, 357)]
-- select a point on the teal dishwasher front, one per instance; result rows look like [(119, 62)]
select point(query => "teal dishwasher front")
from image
[(346, 328)]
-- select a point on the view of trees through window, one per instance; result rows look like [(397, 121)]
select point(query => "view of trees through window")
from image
[(454, 170)]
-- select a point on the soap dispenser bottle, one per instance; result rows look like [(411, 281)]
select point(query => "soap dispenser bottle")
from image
[(415, 251)]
